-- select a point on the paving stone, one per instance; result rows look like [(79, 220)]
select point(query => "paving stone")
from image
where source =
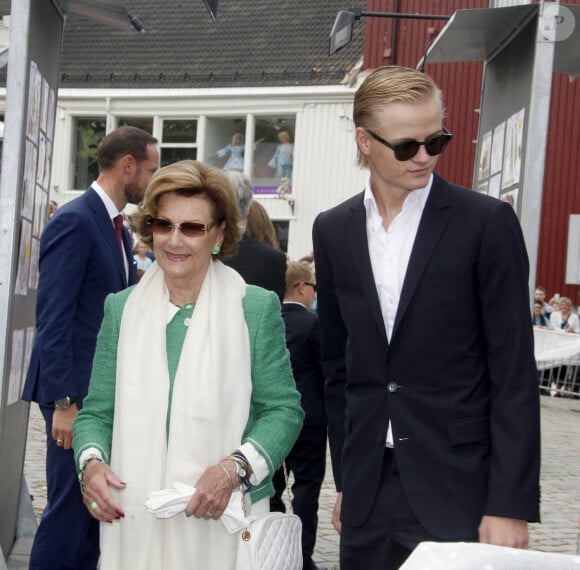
[(560, 481)]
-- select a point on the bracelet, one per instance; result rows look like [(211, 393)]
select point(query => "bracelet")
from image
[(82, 469), (227, 473), (243, 471)]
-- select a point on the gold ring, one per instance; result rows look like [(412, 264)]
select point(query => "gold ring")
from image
[(209, 514), (93, 506), (59, 442)]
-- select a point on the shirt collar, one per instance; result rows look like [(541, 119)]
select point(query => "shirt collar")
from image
[(371, 204), (109, 204)]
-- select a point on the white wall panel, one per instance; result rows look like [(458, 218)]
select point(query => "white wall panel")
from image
[(325, 171)]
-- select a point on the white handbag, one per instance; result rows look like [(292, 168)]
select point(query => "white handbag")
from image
[(270, 541)]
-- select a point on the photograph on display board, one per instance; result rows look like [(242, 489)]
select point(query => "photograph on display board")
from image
[(495, 185), (512, 156), (15, 382), (34, 255), (485, 156), (28, 180), (32, 110), (34, 102), (482, 187), (41, 160), (40, 211), (497, 148), (51, 113), (24, 251), (47, 163), (511, 198), (44, 106)]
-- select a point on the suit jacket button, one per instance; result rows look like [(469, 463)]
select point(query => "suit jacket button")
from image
[(392, 387), (380, 439)]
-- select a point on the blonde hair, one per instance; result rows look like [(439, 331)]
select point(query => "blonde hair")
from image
[(260, 226), (193, 178), (296, 272), (390, 84)]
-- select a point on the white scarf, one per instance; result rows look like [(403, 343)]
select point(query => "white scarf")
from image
[(209, 412)]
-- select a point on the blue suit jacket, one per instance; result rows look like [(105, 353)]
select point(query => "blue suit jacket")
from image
[(457, 377), (80, 264)]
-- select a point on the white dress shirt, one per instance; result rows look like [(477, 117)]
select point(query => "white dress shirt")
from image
[(113, 213), (390, 251)]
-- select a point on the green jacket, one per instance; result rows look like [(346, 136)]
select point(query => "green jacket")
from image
[(275, 416)]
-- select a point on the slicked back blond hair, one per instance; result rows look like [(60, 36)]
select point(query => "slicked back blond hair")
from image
[(390, 84), (193, 178), (296, 272)]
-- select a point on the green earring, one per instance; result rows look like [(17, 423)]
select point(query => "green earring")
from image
[(216, 250)]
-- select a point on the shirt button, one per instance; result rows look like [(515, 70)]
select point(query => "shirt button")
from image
[(187, 321), (392, 387)]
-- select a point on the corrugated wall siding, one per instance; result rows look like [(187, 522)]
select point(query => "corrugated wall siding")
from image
[(461, 85), (561, 196)]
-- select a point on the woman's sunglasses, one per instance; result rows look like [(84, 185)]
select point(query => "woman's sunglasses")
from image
[(405, 150), (188, 229)]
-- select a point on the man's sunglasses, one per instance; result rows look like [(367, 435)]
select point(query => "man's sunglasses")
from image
[(188, 229), (405, 150)]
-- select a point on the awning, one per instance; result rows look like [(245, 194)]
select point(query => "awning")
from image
[(472, 35)]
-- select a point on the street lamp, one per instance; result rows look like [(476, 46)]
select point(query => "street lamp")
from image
[(341, 33)]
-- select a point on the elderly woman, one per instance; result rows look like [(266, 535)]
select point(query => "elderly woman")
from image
[(565, 319), (191, 382)]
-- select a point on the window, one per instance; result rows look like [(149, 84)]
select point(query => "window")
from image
[(226, 143), (178, 140), (88, 132), (274, 155), (143, 123), (282, 228)]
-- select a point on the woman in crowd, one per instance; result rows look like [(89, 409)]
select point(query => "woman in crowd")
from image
[(191, 383), (260, 225), (564, 319)]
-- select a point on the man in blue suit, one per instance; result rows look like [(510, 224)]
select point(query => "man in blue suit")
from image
[(85, 254), (431, 389)]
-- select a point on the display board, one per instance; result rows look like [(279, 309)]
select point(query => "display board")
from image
[(31, 92)]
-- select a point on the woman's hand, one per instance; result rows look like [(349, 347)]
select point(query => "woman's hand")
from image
[(212, 493), (97, 496)]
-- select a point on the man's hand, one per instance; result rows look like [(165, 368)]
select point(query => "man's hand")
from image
[(336, 513), (62, 421), (503, 531)]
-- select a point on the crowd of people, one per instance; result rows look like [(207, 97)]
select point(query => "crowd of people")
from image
[(558, 313), (194, 352)]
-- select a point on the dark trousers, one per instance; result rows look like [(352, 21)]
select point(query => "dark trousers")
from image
[(67, 537), (307, 462), (387, 538)]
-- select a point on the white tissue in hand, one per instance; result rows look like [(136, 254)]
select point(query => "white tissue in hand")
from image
[(170, 502)]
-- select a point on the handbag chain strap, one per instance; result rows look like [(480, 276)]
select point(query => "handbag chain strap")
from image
[(246, 535)]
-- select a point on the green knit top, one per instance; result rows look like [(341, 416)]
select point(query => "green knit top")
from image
[(275, 416)]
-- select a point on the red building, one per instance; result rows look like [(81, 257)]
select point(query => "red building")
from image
[(399, 41)]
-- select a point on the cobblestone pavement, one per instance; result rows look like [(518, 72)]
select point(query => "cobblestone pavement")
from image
[(560, 482)]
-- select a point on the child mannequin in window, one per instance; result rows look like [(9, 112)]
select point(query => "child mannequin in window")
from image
[(283, 157)]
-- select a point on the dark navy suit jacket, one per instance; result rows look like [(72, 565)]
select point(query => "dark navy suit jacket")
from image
[(457, 378), (259, 264), (303, 342), (80, 264)]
